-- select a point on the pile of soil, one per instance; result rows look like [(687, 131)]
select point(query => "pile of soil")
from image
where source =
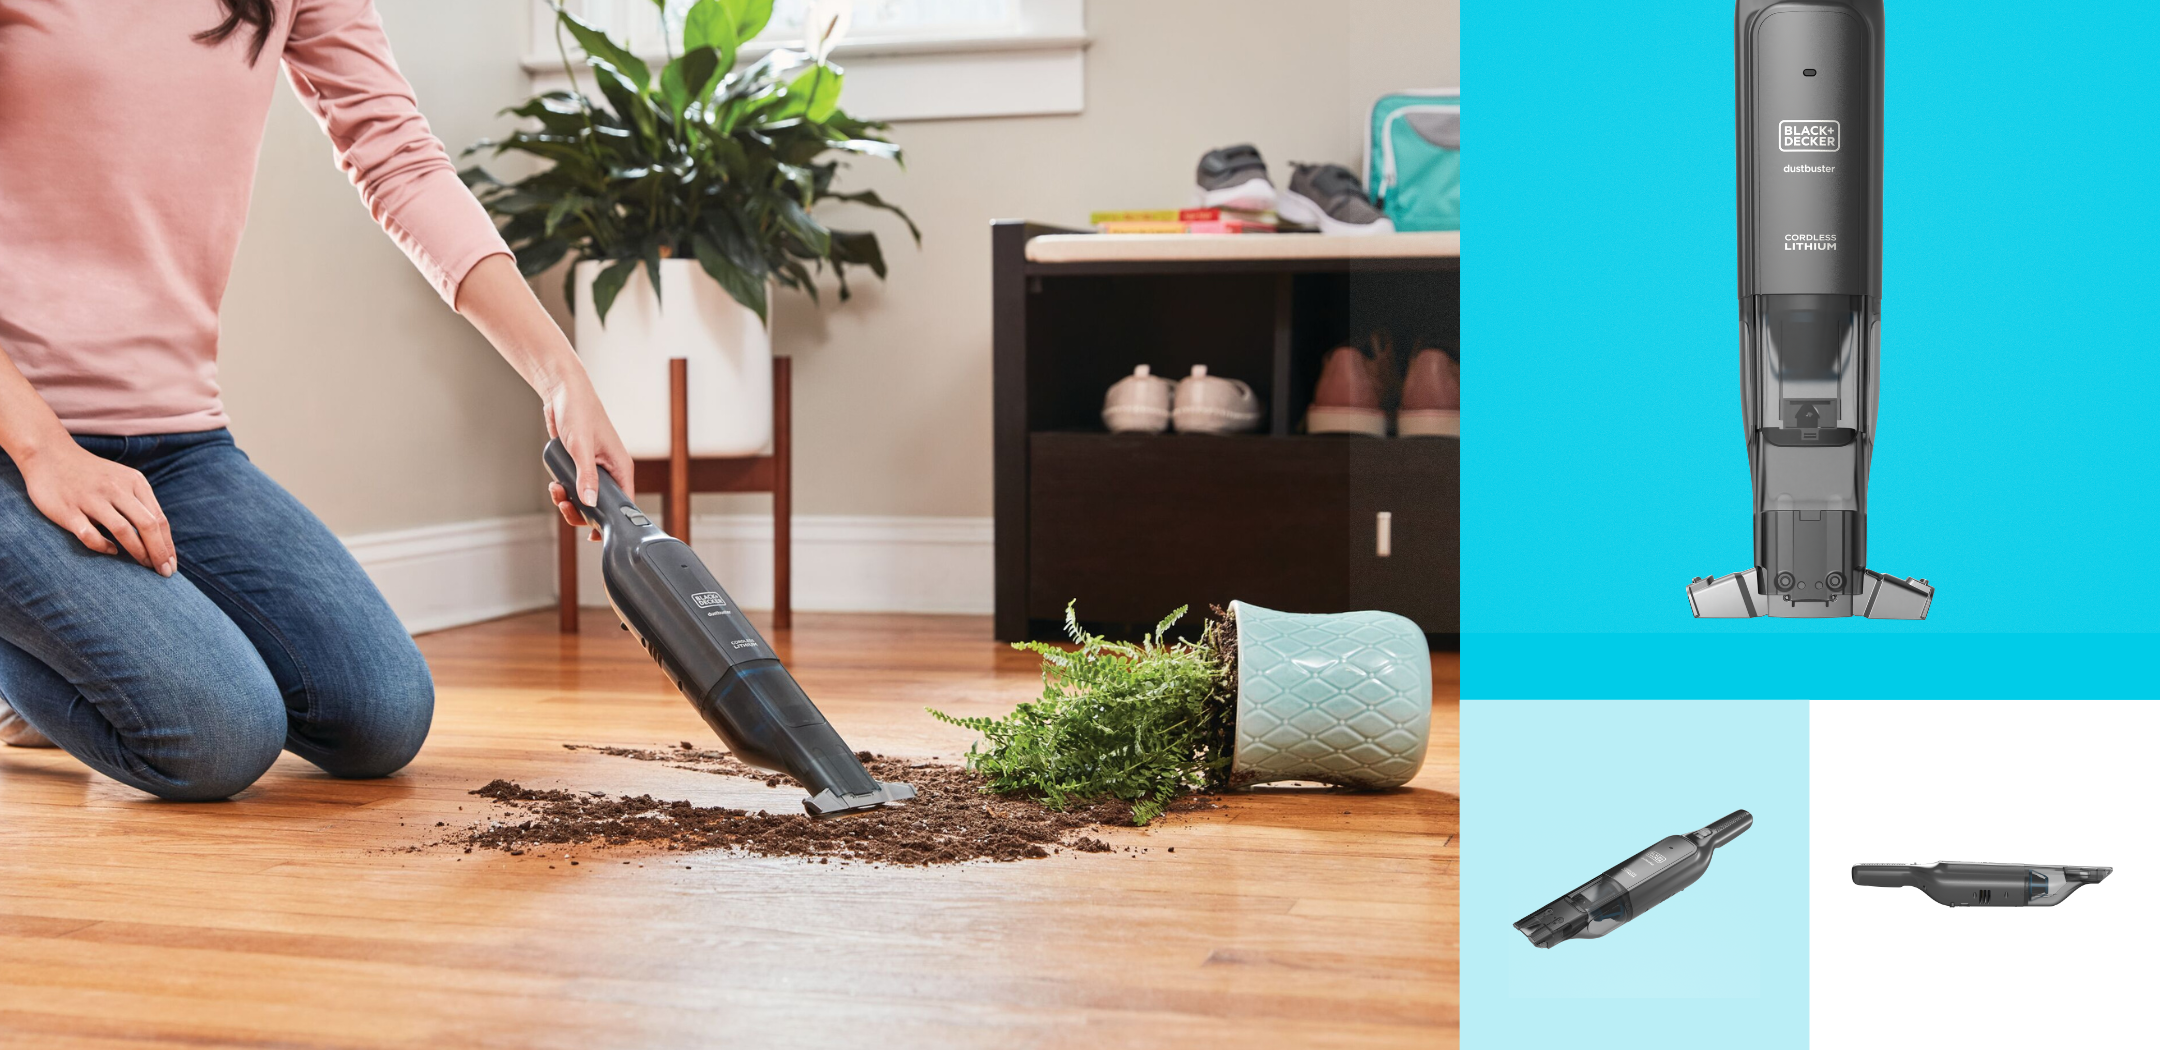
[(949, 821)]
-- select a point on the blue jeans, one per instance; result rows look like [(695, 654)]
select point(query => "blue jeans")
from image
[(270, 636)]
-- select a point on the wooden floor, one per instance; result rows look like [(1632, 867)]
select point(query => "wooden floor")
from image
[(291, 917)]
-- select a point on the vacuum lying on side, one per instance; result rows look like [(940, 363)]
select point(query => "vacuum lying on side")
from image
[(1633, 886), (1809, 117), (1967, 885), (665, 596)]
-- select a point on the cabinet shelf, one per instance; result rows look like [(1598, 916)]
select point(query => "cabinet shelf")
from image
[(1050, 252), (1133, 525)]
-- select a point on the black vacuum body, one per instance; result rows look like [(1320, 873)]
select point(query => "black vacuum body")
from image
[(665, 597), (1808, 92), (1960, 884), (1633, 886)]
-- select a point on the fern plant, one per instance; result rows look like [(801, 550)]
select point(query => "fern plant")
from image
[(1137, 722)]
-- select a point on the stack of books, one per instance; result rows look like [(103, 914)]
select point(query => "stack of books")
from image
[(1184, 220)]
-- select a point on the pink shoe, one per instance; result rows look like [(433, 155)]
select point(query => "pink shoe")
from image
[(1347, 398), (1431, 398)]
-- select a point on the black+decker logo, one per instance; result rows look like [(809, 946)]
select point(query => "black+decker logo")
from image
[(1807, 136)]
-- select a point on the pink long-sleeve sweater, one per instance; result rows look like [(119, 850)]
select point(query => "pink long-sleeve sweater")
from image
[(127, 153)]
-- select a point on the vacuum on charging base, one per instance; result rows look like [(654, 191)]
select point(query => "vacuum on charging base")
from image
[(1633, 886), (665, 597), (1965, 885), (1808, 89)]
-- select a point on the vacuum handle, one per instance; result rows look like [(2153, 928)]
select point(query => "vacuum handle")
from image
[(612, 498), (1885, 875), (1724, 829)]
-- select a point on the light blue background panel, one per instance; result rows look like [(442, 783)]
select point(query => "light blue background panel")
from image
[(1555, 792), (2019, 426)]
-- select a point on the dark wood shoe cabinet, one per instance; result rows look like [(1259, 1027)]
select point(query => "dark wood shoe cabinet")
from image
[(1132, 526)]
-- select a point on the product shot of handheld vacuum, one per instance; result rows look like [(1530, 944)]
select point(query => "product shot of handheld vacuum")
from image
[(667, 599), (1808, 93), (1962, 884), (1633, 886)]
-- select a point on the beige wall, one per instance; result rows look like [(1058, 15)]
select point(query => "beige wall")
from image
[(353, 384), (346, 376)]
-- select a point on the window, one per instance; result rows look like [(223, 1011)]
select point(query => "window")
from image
[(906, 59), (898, 20)]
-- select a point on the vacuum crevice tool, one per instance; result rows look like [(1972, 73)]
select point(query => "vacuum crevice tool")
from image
[(1962, 884), (1808, 95), (1633, 886), (664, 595)]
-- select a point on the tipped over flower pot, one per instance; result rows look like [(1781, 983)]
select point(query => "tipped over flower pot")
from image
[(1262, 696), (1339, 698)]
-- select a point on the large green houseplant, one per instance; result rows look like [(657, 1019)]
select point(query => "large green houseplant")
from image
[(699, 161)]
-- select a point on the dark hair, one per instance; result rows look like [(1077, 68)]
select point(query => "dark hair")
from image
[(256, 13)]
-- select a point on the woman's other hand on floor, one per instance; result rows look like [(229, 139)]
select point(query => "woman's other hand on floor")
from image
[(82, 492)]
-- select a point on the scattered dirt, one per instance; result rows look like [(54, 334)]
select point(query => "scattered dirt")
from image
[(949, 821)]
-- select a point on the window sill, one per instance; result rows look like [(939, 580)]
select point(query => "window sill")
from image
[(943, 79)]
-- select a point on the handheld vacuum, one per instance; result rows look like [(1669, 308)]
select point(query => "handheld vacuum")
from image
[(665, 597), (1633, 886), (1964, 885), (1809, 79)]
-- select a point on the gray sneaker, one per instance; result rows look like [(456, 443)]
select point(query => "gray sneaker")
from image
[(15, 732), (1330, 197), (1234, 177)]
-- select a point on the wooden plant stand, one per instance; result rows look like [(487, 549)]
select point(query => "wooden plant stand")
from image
[(687, 474)]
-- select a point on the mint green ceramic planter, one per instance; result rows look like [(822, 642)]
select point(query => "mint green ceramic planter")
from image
[(1340, 698)]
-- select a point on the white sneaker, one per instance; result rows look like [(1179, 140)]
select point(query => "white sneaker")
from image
[(16, 732), (1138, 403), (1208, 404)]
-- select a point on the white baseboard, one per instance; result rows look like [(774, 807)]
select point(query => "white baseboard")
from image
[(440, 576), (843, 562)]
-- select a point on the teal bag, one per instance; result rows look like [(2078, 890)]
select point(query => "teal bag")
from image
[(1413, 158)]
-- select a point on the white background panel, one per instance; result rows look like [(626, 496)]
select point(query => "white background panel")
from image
[(2036, 782)]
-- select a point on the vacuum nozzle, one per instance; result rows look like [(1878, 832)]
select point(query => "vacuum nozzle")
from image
[(1723, 830), (1740, 595), (1959, 884), (1633, 886)]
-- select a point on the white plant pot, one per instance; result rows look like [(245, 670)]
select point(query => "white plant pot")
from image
[(729, 354)]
